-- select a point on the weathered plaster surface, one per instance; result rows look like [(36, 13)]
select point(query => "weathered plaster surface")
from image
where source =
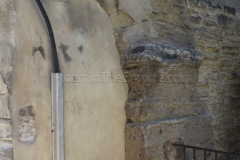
[(31, 86), (8, 12), (94, 112)]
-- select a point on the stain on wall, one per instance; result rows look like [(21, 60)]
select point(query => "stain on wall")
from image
[(40, 49), (27, 128), (80, 48), (64, 49)]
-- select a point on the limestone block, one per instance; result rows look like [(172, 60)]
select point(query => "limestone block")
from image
[(214, 5), (4, 107), (197, 4), (233, 39), (138, 31), (230, 49), (237, 26), (3, 86), (236, 62), (162, 55), (31, 84), (94, 112), (162, 80), (7, 33), (172, 34), (7, 76), (146, 140), (209, 35), (229, 10), (228, 75), (27, 128), (160, 110), (5, 130), (6, 150), (223, 62), (212, 48), (225, 21), (6, 55), (137, 9), (209, 23)]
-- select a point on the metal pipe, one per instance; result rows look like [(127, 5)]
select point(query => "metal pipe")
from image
[(58, 116), (57, 95)]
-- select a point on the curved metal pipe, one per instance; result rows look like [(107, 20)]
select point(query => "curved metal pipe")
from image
[(52, 39)]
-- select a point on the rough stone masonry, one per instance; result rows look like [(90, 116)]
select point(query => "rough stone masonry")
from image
[(7, 44), (157, 112), (181, 61)]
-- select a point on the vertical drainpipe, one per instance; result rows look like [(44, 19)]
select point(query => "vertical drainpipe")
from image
[(57, 95)]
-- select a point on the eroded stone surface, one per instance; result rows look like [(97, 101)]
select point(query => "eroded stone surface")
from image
[(6, 150), (207, 26), (162, 80), (210, 27), (5, 130), (148, 140), (8, 10), (171, 151), (27, 128), (4, 106), (7, 76), (163, 86), (162, 55), (85, 33), (3, 86), (136, 9)]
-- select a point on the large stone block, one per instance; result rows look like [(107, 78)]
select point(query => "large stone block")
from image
[(6, 55), (162, 80), (136, 9), (86, 45), (6, 150), (7, 76), (159, 110), (4, 110), (3, 86), (27, 128), (164, 55), (147, 140), (5, 130)]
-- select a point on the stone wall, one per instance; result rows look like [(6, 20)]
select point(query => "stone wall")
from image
[(209, 27), (7, 45), (180, 58), (230, 3), (94, 122), (94, 114)]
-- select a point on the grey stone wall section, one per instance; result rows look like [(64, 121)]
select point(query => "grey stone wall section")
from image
[(8, 12), (6, 150), (27, 128), (146, 140), (94, 112), (230, 3), (32, 135), (164, 104), (212, 27)]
